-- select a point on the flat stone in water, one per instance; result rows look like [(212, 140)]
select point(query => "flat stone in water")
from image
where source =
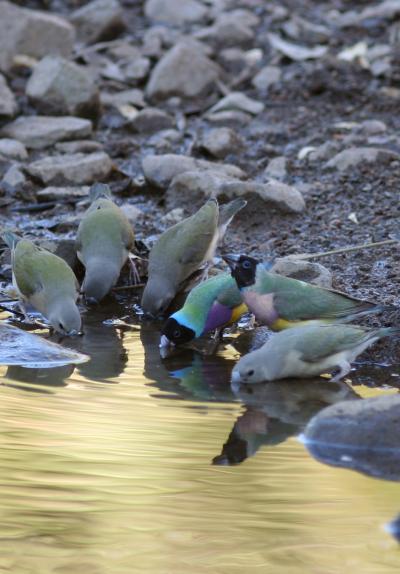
[(362, 435), (28, 350)]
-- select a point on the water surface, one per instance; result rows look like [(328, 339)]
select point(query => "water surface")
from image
[(124, 464)]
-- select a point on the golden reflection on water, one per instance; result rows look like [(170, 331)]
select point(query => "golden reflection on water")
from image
[(109, 470)]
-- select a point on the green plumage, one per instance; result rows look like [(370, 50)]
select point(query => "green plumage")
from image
[(35, 268), (220, 289), (104, 240), (295, 300)]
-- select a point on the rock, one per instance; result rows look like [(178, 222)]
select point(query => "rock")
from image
[(98, 20), (362, 435), (239, 102), (160, 170), (31, 32), (221, 142), (225, 34), (294, 51), (184, 71), (267, 77), (373, 127), (355, 156), (172, 217), (175, 12), (276, 168), (132, 212), (29, 350), (63, 87), (324, 151), (13, 149), (38, 132), (8, 103), (137, 70), (80, 146), (385, 10), (63, 193), (134, 97), (231, 118), (71, 168), (208, 183), (284, 198), (151, 120), (303, 270), (14, 177)]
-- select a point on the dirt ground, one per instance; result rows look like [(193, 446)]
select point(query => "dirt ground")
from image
[(316, 101)]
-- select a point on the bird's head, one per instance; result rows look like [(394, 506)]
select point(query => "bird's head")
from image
[(249, 370), (65, 318), (100, 278), (157, 296), (175, 333), (243, 269)]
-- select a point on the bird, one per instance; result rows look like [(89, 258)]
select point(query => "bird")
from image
[(282, 302), (45, 281), (307, 351), (183, 249), (104, 241), (213, 304)]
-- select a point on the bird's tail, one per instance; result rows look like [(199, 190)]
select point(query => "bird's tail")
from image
[(99, 190), (10, 238), (388, 332), (229, 210)]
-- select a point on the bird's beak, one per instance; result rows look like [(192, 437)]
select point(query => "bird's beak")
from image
[(235, 378), (165, 342), (231, 259)]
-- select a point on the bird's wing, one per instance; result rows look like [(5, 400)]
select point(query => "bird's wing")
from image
[(316, 345), (305, 301)]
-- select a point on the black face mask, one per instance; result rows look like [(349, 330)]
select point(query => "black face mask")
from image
[(177, 333), (245, 271)]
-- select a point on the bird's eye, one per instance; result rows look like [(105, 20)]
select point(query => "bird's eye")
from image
[(176, 334), (250, 373), (61, 326), (246, 264)]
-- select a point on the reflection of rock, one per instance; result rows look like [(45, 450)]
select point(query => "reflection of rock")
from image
[(394, 528), (362, 435), (47, 377), (276, 411), (104, 345)]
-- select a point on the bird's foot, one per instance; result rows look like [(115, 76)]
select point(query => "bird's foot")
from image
[(345, 369), (134, 274)]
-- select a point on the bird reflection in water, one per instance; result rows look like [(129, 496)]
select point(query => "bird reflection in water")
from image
[(276, 411)]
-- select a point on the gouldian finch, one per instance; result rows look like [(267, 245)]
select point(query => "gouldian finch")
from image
[(281, 302), (105, 238), (46, 282), (183, 249), (211, 305), (307, 351)]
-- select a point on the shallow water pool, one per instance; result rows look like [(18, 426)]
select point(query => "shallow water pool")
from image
[(125, 464)]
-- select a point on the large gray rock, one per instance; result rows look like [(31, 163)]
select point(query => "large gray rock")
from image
[(37, 132), (98, 20), (361, 435), (29, 350), (8, 103), (355, 156), (314, 273), (175, 12), (230, 29), (208, 183), (160, 170), (31, 32), (75, 168), (183, 71), (151, 120), (63, 87)]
